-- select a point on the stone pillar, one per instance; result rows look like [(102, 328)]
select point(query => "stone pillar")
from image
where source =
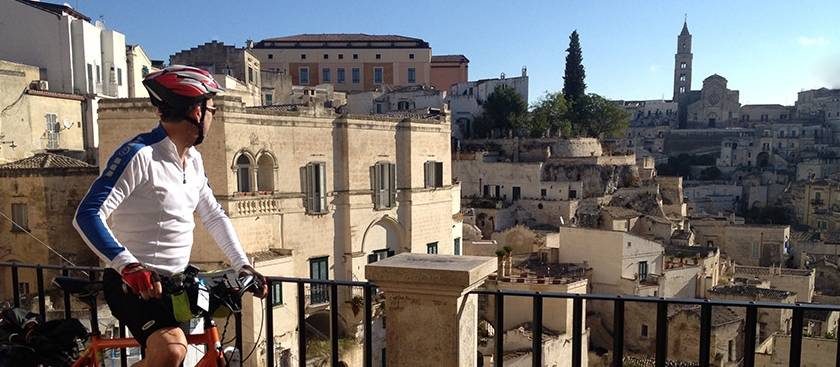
[(431, 319)]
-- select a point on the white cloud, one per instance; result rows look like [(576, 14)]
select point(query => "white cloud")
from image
[(812, 41), (653, 68)]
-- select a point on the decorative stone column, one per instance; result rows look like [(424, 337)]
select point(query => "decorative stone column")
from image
[(431, 321)]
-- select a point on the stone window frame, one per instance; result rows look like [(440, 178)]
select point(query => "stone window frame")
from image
[(20, 217), (272, 187), (381, 73), (412, 75), (315, 188), (383, 177), (239, 167), (300, 75)]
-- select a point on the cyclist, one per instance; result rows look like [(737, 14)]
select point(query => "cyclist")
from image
[(150, 188)]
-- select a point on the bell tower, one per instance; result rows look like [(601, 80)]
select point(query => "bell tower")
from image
[(682, 63)]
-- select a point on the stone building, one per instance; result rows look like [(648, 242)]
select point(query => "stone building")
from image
[(726, 344), (465, 99), (447, 70), (224, 62), (351, 62), (400, 99), (817, 204), (317, 195), (138, 65), (38, 198), (746, 244), (35, 119), (799, 281), (770, 321), (714, 106), (705, 257), (74, 54)]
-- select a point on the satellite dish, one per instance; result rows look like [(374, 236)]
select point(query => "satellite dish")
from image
[(68, 124)]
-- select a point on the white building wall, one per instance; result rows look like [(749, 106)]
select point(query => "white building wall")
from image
[(114, 65), (87, 50), (33, 37)]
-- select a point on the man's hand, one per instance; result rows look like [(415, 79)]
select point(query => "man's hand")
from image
[(142, 281), (261, 285)]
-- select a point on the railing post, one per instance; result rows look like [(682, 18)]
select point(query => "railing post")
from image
[(618, 333), (432, 318), (15, 287), (749, 335), (334, 357), (123, 356), (705, 334), (537, 331), (499, 358), (796, 337), (269, 324), (368, 344), (661, 333), (42, 303), (67, 312), (94, 309), (577, 331), (301, 311)]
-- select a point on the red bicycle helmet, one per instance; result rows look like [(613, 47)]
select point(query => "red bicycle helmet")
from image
[(180, 87)]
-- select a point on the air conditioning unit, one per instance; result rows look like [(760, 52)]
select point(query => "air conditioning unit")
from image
[(39, 85)]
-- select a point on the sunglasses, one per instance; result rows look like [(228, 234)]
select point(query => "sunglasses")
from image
[(211, 109)]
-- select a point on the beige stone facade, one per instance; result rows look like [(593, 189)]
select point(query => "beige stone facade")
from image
[(40, 194), (746, 244), (34, 119), (799, 281), (257, 161), (817, 204), (351, 62)]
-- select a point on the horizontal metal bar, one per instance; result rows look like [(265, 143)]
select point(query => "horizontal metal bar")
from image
[(675, 300), (51, 266), (348, 283)]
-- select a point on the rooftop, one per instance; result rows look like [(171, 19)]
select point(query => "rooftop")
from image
[(618, 212), (450, 58), (750, 291), (57, 9), (42, 161), (690, 251), (342, 40), (720, 315)]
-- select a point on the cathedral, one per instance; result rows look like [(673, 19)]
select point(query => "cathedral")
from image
[(714, 105)]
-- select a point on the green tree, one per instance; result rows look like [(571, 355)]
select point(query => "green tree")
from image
[(504, 109), (550, 114), (574, 86), (595, 116)]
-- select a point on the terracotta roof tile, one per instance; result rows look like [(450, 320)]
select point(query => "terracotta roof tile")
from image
[(45, 161)]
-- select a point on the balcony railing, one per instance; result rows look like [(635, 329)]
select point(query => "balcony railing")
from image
[(305, 293)]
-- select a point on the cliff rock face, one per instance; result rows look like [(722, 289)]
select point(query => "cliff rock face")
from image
[(597, 180)]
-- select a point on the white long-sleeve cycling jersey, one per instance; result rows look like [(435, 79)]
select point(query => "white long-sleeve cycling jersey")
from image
[(151, 199)]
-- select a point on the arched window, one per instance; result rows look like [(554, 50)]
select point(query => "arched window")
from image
[(243, 173), (265, 172), (402, 105)]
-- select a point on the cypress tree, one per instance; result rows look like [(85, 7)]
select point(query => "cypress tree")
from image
[(573, 84)]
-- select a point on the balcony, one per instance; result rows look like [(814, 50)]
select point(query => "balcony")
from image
[(333, 344)]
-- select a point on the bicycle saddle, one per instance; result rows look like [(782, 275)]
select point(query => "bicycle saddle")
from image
[(78, 286)]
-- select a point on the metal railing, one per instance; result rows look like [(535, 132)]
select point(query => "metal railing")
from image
[(331, 288), (661, 355), (309, 291)]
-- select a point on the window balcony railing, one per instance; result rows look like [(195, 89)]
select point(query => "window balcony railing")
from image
[(308, 290)]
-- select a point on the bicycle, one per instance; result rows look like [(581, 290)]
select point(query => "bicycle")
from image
[(223, 288)]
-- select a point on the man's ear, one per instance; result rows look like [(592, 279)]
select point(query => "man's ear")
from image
[(196, 112)]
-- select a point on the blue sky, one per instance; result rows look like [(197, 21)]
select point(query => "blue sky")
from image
[(769, 50)]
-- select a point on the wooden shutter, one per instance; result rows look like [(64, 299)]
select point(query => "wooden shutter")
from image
[(322, 187), (374, 195), (392, 185), (427, 174), (438, 174), (310, 187)]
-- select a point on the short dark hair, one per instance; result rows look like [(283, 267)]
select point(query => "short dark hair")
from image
[(173, 114)]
